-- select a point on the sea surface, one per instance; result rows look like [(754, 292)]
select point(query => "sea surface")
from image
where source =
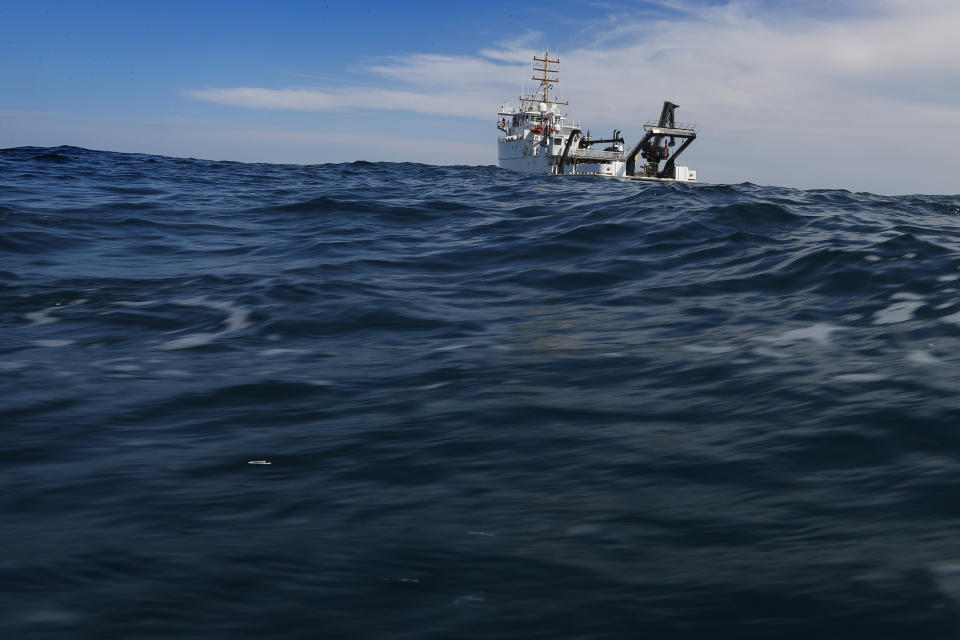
[(493, 405)]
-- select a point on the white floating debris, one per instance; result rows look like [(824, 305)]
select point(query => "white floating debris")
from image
[(259, 462)]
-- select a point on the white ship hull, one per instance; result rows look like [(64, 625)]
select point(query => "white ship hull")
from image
[(531, 156)]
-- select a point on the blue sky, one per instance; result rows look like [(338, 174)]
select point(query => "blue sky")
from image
[(808, 94)]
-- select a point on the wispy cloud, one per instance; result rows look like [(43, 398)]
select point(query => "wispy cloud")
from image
[(463, 103), (432, 84)]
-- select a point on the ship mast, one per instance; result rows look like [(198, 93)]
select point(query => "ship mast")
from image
[(547, 74)]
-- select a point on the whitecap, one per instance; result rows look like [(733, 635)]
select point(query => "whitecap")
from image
[(127, 368), (703, 348), (819, 333), (859, 377), (50, 616), (922, 357), (770, 353), (173, 372), (435, 385), (947, 577), (948, 278), (451, 347), (952, 319), (906, 295), (52, 343), (280, 351), (191, 341), (897, 313), (43, 316), (237, 319)]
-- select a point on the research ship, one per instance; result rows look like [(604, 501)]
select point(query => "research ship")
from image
[(538, 139)]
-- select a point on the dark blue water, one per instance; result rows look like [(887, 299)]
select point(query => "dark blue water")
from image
[(496, 405)]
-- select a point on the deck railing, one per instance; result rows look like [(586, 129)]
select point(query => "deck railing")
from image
[(591, 154)]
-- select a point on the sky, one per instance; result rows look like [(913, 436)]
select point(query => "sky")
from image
[(845, 94)]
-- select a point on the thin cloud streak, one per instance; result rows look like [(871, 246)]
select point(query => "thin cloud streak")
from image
[(472, 104)]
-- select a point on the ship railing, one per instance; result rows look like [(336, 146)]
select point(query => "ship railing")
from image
[(676, 125), (592, 154)]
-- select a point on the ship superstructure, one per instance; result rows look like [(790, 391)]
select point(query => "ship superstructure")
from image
[(539, 139)]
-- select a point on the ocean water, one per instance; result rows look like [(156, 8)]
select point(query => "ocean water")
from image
[(494, 405)]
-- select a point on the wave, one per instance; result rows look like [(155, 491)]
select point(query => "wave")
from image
[(642, 395)]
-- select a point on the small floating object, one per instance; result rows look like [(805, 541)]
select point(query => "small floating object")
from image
[(259, 462)]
